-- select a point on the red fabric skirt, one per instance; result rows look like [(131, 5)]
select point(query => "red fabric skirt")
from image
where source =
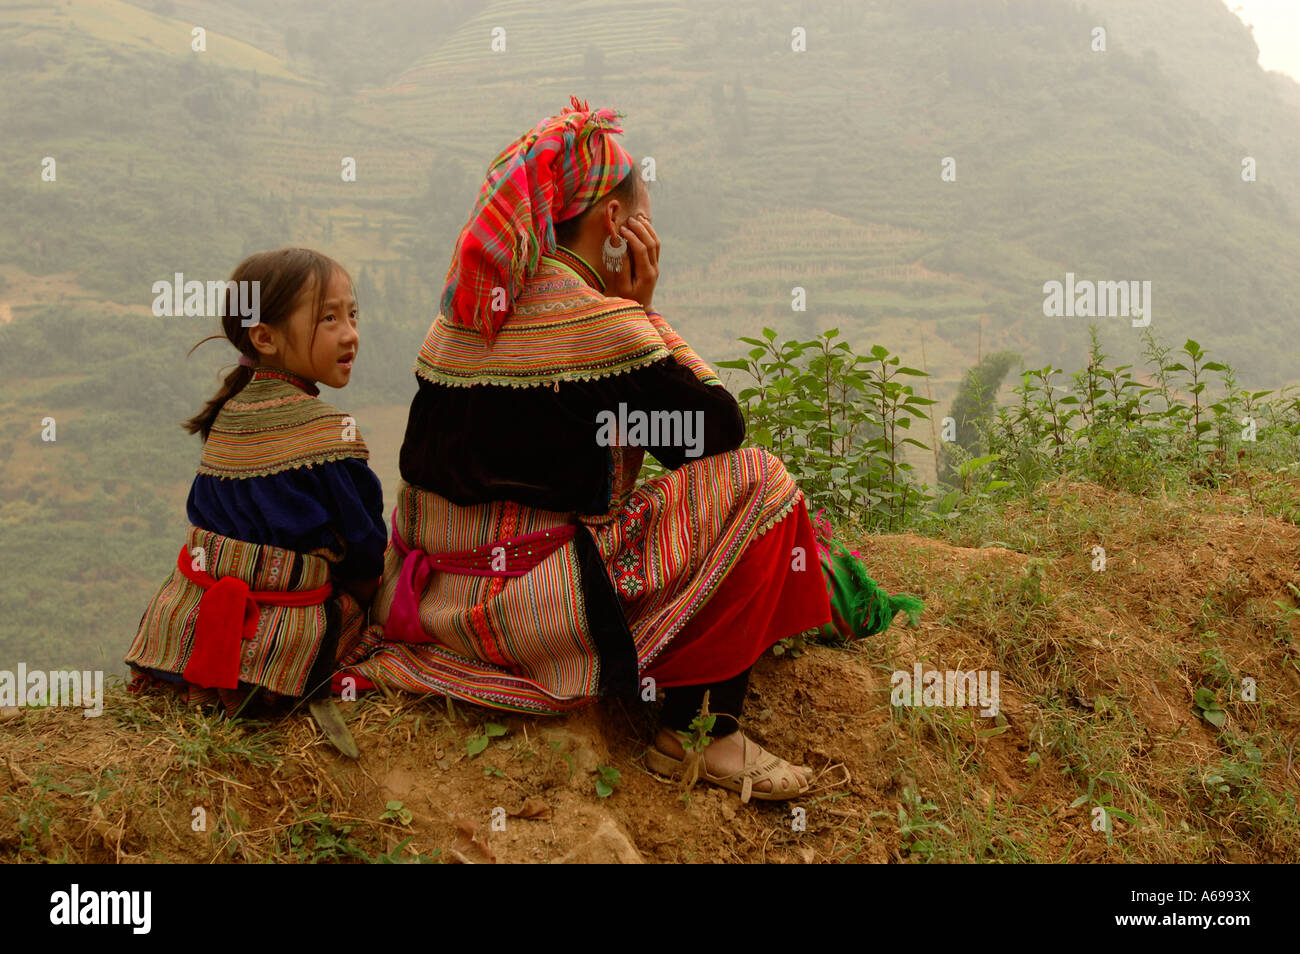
[(762, 601)]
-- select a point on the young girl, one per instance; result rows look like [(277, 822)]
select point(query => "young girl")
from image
[(287, 534)]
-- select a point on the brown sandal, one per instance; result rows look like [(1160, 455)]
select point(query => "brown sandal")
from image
[(759, 764)]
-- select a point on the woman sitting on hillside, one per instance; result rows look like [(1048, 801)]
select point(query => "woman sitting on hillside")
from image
[(528, 570)]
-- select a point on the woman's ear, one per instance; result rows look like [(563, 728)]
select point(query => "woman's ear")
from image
[(612, 210)]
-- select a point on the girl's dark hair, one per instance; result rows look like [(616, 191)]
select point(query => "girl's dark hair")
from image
[(283, 276), (567, 231)]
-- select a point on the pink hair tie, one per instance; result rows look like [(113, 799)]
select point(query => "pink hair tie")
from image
[(246, 361)]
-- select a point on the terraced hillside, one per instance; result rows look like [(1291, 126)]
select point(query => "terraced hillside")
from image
[(774, 169)]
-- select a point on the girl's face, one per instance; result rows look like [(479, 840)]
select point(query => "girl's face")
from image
[(327, 359)]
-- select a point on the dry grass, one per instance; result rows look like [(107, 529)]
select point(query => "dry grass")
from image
[(1099, 672)]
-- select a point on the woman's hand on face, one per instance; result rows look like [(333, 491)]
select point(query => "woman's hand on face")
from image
[(643, 258)]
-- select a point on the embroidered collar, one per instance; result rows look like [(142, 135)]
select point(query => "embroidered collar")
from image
[(576, 264), (263, 374), (273, 425), (562, 329)]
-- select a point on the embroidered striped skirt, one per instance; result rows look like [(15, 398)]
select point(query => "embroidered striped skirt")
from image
[(281, 645), (595, 615)]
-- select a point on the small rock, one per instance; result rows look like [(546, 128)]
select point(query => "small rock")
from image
[(8, 713), (17, 774), (533, 807), (608, 846), (99, 823), (399, 782), (467, 827), (584, 755)]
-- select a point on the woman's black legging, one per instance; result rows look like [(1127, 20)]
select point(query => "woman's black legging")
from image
[(683, 704)]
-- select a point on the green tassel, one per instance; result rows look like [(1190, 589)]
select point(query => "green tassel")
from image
[(858, 598)]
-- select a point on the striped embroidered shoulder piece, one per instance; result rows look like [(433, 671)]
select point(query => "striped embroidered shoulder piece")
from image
[(561, 329), (271, 426)]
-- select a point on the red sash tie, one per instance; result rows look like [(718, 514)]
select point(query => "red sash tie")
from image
[(228, 614)]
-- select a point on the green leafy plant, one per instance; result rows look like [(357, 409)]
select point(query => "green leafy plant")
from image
[(971, 489), (606, 778), (698, 733), (919, 833), (1106, 427), (317, 838), (1195, 357), (34, 815), (836, 419), (795, 646), (398, 857), (397, 812), (1097, 796), (478, 743), (1216, 666), (1208, 708), (1287, 608), (696, 740)]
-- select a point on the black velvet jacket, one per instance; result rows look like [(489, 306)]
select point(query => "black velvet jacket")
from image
[(537, 446)]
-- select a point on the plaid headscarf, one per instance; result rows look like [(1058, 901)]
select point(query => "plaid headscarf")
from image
[(548, 175)]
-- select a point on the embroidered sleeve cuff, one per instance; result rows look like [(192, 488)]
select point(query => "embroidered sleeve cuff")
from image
[(683, 353)]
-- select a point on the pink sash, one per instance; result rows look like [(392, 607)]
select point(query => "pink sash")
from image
[(517, 555)]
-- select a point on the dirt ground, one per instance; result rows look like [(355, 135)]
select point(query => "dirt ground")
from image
[(1098, 679)]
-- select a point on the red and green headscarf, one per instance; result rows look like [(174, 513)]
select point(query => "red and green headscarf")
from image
[(550, 174)]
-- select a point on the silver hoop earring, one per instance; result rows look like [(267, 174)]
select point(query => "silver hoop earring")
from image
[(613, 255)]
